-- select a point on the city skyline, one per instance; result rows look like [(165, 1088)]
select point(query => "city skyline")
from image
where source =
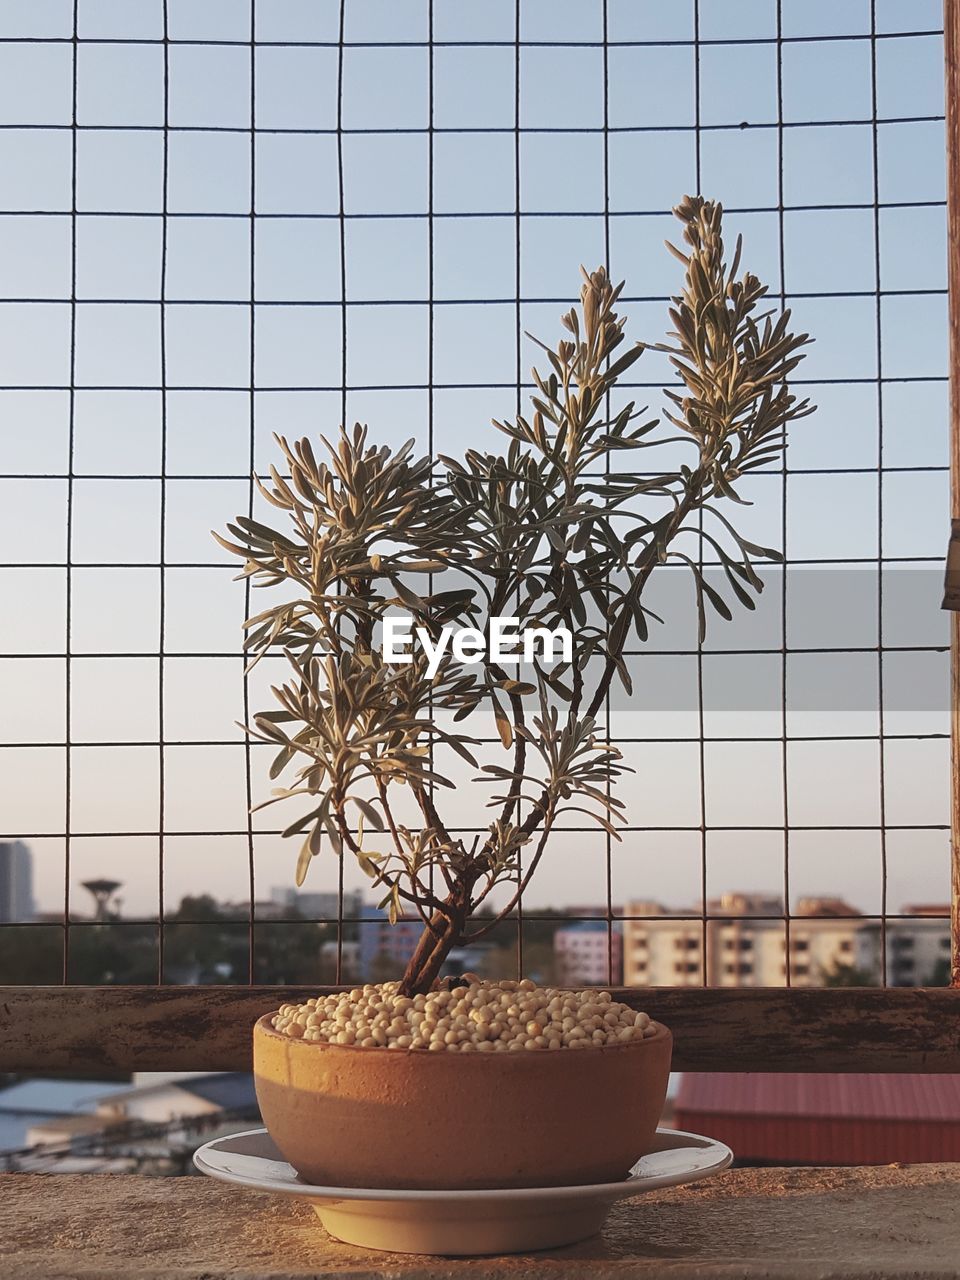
[(322, 905)]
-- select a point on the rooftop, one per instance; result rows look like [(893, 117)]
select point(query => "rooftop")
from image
[(228, 1090), (823, 1096), (55, 1097)]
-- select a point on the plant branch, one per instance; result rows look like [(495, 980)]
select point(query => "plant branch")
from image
[(541, 524)]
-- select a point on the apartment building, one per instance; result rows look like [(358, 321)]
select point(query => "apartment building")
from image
[(314, 906), (744, 942), (385, 948), (16, 882), (918, 949), (586, 953)]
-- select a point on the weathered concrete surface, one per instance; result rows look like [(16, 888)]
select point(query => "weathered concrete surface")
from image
[(827, 1224)]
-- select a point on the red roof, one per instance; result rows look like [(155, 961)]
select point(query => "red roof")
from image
[(822, 1095), (825, 1119)]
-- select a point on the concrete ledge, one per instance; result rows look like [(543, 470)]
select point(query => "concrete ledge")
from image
[(841, 1224)]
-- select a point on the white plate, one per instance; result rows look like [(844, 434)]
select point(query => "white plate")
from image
[(461, 1222)]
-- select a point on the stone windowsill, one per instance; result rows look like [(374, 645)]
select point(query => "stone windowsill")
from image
[(838, 1223)]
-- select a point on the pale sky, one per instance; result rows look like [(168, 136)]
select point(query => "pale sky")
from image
[(121, 435)]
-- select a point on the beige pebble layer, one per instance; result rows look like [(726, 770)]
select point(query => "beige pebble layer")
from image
[(482, 1017)]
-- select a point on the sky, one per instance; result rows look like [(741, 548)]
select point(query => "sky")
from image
[(183, 408)]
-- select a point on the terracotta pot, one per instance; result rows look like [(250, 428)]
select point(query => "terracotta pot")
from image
[(348, 1116)]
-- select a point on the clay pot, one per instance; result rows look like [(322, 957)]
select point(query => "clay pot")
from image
[(348, 1116)]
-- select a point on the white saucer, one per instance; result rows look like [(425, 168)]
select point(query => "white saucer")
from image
[(461, 1222)]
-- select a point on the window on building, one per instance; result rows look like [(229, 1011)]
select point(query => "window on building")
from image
[(738, 944)]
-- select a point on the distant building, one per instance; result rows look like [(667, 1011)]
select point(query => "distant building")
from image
[(918, 950), (745, 949), (186, 1094), (823, 943), (350, 970), (29, 1105), (152, 1125), (588, 954), (475, 958), (106, 904), (745, 940), (824, 1118), (263, 909), (314, 906), (663, 950), (16, 882), (385, 948)]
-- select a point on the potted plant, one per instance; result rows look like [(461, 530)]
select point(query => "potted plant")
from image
[(405, 580)]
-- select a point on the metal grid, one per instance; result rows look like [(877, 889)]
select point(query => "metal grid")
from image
[(342, 387)]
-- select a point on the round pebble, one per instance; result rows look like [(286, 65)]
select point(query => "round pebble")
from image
[(477, 1015)]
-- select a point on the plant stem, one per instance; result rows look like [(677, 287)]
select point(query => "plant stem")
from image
[(443, 932)]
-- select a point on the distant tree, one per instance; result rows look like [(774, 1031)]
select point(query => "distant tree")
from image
[(846, 975), (98, 954), (500, 962), (289, 953), (940, 975), (542, 931), (195, 952), (31, 954), (201, 907), (113, 953), (539, 961), (382, 968)]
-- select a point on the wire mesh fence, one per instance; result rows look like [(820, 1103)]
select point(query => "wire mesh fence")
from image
[(219, 221)]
